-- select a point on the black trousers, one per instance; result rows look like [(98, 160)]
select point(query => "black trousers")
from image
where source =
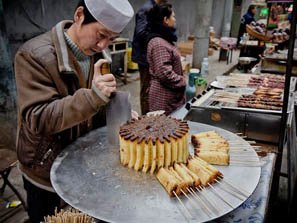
[(40, 203), (144, 85)]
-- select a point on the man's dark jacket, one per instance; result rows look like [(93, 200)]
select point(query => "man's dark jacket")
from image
[(140, 34)]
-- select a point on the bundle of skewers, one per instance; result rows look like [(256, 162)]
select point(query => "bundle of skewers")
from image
[(191, 181), (235, 80), (69, 216), (241, 154), (225, 96), (214, 149)]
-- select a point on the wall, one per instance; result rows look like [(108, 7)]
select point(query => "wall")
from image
[(7, 91), (21, 20), (27, 18)]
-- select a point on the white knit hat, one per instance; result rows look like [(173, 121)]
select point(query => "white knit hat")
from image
[(113, 14)]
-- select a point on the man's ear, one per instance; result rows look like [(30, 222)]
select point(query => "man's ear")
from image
[(79, 16)]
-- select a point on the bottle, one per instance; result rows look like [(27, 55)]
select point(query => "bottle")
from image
[(204, 67), (211, 32), (191, 89)]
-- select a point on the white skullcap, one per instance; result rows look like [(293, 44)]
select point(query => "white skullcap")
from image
[(113, 14)]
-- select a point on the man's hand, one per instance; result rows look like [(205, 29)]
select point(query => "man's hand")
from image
[(105, 83), (134, 114)]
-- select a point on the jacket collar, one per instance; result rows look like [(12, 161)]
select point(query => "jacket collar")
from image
[(66, 60), (63, 57)]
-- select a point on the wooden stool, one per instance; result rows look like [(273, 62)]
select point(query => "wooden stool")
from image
[(8, 160)]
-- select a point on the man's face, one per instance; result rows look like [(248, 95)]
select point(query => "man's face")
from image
[(94, 37), (254, 11)]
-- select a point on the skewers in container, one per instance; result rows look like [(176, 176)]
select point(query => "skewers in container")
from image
[(65, 216)]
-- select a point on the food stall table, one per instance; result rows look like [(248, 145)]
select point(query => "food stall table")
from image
[(91, 180), (256, 206)]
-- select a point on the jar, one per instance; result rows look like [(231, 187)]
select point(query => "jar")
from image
[(200, 85)]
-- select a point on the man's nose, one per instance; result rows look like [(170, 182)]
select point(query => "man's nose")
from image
[(102, 44)]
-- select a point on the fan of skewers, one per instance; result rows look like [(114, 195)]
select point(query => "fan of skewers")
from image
[(191, 179), (209, 148)]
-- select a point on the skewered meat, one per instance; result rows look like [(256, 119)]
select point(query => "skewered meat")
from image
[(271, 81), (262, 98)]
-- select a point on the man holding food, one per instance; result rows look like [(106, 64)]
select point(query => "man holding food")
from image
[(61, 92)]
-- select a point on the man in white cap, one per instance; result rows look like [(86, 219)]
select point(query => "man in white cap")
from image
[(61, 93)]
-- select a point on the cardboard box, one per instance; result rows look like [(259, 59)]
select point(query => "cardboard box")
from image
[(210, 51), (186, 67), (186, 47)]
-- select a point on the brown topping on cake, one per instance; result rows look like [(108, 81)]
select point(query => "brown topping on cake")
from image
[(160, 127)]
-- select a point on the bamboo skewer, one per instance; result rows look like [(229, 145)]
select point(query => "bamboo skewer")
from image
[(198, 199), (239, 143), (236, 187), (242, 148), (182, 204), (247, 162), (257, 147), (244, 158), (195, 204), (230, 191), (251, 142), (250, 163), (242, 155), (220, 196), (244, 163), (207, 199)]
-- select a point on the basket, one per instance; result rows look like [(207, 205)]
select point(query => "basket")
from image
[(256, 34)]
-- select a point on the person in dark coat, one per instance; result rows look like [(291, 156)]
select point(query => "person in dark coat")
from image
[(167, 82), (139, 50), (245, 20)]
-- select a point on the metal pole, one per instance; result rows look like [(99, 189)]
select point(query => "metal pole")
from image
[(278, 163)]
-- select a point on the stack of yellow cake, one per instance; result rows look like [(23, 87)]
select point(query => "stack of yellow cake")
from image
[(153, 142), (211, 147)]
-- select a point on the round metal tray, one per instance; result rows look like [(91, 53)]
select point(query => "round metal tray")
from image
[(88, 176)]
